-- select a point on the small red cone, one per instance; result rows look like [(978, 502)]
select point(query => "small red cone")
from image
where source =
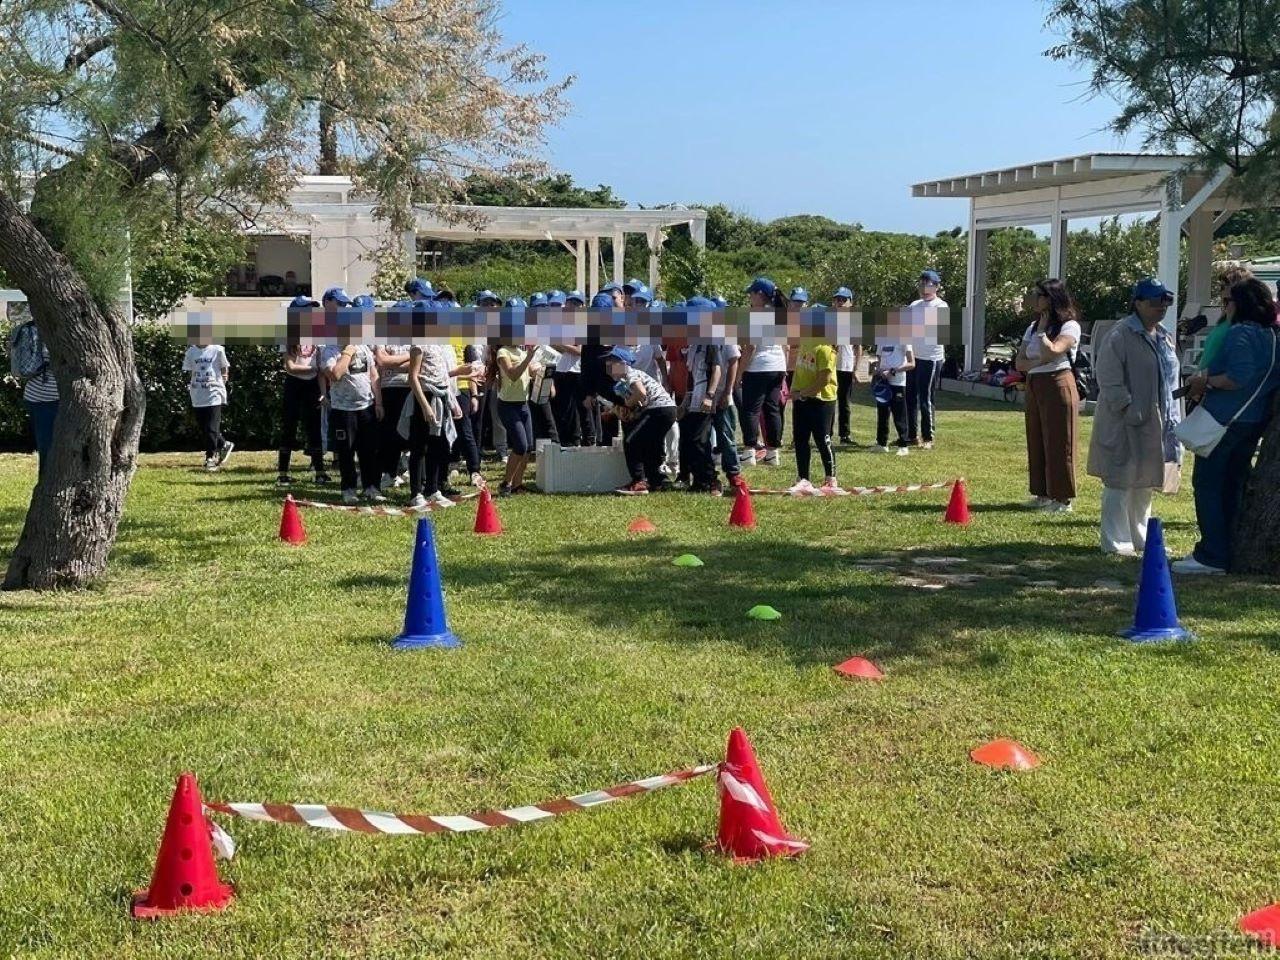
[(291, 529), (487, 521), (749, 826), (743, 513), (1005, 755), (185, 877), (859, 667), (641, 525), (1263, 924), (958, 506)]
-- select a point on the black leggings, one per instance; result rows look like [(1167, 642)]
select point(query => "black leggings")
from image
[(643, 444), (844, 398), (301, 405), (428, 457), (897, 407), (390, 443), (466, 444), (209, 419), (762, 390), (518, 423), (811, 419), (354, 433)]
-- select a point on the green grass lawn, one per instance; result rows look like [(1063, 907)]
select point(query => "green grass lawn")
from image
[(588, 660)]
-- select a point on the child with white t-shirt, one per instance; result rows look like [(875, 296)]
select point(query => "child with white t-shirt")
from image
[(209, 370), (891, 394)]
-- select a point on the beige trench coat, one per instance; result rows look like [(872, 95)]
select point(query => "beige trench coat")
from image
[(1126, 450)]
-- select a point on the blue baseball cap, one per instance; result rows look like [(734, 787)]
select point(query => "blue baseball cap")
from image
[(364, 302), (538, 299), (699, 303), (621, 353), (484, 295), (610, 286), (633, 285), (516, 302), (419, 286), (843, 292), (762, 285), (575, 296), (1149, 288), (555, 298), (799, 295), (931, 276), (641, 293), (336, 295), (602, 301), (302, 300)]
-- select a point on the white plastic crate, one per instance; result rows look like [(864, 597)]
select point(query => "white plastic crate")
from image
[(581, 469)]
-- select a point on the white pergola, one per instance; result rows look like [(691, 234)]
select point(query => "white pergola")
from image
[(1054, 192), (328, 209)]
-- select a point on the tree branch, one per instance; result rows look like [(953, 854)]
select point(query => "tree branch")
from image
[(86, 53)]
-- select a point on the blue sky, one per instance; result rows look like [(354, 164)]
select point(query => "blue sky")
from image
[(807, 106)]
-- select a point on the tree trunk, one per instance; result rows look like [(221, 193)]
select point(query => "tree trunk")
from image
[(75, 508), (328, 166), (1256, 544)]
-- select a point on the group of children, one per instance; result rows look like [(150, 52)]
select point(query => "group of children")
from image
[(404, 414)]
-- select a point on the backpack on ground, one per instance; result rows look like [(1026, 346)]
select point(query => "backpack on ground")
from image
[(26, 354)]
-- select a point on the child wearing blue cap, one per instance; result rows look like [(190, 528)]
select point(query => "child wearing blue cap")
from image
[(847, 357), (648, 412)]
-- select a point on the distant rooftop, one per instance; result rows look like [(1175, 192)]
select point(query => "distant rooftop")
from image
[(1052, 173)]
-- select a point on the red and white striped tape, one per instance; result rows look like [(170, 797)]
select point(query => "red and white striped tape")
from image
[(326, 817), (857, 491), (381, 511)]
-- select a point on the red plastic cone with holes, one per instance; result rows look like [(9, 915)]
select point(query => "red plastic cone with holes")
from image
[(487, 521), (859, 667), (743, 513), (185, 877), (291, 529), (641, 525), (1005, 755), (958, 506), (749, 826)]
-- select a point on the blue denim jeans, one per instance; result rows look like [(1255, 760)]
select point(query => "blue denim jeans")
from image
[(42, 417), (724, 423), (1218, 482)]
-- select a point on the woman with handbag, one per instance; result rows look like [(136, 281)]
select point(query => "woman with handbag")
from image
[(1223, 431), (1133, 449)]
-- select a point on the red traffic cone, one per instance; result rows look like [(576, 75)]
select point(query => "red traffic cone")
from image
[(291, 529), (487, 521), (743, 513), (859, 667), (958, 506), (1005, 755), (1263, 924), (749, 826), (641, 525), (185, 877)]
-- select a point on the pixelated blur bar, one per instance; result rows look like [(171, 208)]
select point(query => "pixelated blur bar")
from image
[(387, 326)]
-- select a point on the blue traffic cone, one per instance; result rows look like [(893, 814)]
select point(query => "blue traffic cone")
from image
[(425, 624), (1156, 617)]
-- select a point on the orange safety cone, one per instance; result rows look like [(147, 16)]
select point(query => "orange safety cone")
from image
[(641, 525), (1263, 924), (958, 506), (1005, 755), (743, 514), (487, 521), (291, 529), (859, 667), (185, 877), (749, 826)]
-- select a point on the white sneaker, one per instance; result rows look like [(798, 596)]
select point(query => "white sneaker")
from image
[(227, 447), (902, 452), (666, 471), (418, 501), (374, 495), (1037, 503), (1058, 506), (401, 479), (211, 464), (877, 449), (478, 480), (803, 488), (350, 496), (438, 499), (831, 486), (770, 458), (1191, 566), (927, 445), (747, 458), (454, 474)]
